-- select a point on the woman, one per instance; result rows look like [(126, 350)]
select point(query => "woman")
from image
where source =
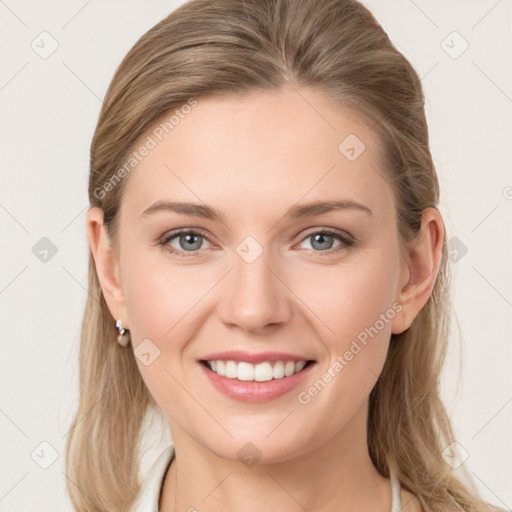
[(268, 271)]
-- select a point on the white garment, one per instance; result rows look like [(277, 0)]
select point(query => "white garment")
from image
[(149, 494)]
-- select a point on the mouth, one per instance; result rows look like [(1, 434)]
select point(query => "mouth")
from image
[(256, 383), (265, 371)]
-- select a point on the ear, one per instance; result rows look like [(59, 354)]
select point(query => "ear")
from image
[(421, 267), (107, 265)]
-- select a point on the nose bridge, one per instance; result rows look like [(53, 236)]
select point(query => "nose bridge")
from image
[(255, 297)]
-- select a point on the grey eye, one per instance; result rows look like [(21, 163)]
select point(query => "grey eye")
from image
[(188, 241), (321, 241)]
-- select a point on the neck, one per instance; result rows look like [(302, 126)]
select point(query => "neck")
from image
[(337, 475)]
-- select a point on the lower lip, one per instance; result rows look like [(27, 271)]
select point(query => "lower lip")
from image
[(252, 391)]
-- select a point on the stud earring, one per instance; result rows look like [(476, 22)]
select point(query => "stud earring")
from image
[(123, 337)]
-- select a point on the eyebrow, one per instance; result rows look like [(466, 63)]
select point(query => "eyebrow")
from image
[(298, 211)]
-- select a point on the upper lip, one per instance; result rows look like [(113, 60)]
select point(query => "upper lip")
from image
[(252, 357)]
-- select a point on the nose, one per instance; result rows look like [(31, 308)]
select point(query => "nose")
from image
[(255, 297)]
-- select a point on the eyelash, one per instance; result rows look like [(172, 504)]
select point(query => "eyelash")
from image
[(165, 239)]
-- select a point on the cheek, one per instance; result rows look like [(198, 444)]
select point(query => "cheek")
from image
[(353, 305), (351, 297), (354, 324), (162, 305), (160, 297)]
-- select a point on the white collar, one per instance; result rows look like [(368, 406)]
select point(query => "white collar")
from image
[(149, 494)]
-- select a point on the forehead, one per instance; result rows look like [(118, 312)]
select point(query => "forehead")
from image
[(261, 149)]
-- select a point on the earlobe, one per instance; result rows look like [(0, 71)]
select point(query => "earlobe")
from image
[(424, 258), (107, 266)]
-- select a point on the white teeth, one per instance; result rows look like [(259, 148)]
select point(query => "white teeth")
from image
[(299, 365), (263, 372), (245, 371), (231, 370), (256, 372), (289, 368), (278, 371)]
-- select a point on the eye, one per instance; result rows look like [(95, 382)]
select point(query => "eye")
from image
[(185, 240), (322, 241), (186, 243)]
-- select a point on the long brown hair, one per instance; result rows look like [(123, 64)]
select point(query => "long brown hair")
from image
[(231, 47)]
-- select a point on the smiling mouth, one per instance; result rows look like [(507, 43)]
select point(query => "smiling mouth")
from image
[(262, 372)]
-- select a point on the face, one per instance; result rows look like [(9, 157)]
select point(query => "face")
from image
[(270, 276)]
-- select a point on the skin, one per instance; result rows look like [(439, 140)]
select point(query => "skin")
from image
[(252, 159)]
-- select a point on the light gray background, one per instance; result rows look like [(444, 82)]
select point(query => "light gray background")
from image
[(49, 109)]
